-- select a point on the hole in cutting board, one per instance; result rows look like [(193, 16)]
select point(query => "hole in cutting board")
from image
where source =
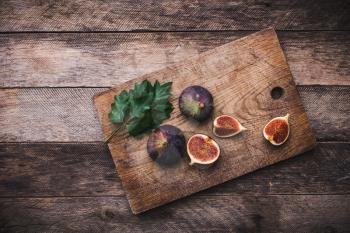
[(277, 93)]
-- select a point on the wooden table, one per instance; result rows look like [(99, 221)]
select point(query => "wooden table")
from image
[(56, 174)]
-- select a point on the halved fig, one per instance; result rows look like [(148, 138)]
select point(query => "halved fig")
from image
[(202, 150), (225, 126), (166, 145), (277, 130), (196, 102)]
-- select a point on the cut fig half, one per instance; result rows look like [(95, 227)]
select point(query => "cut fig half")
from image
[(202, 150), (225, 126), (277, 130)]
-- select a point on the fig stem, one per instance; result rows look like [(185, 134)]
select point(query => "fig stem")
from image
[(115, 132), (287, 116), (243, 128)]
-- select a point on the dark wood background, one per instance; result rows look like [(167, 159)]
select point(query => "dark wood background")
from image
[(56, 174)]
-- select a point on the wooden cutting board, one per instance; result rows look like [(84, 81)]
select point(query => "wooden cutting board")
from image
[(241, 76)]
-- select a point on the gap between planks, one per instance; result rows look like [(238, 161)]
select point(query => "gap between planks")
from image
[(199, 195), (145, 31)]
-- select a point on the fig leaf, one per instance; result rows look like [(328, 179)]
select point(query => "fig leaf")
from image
[(145, 106), (119, 107)]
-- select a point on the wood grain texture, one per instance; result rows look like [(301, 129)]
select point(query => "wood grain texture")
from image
[(107, 59), (93, 59), (68, 114), (240, 75), (75, 170), (127, 15), (57, 170), (49, 115), (233, 213)]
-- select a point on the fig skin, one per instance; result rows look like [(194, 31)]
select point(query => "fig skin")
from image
[(277, 130), (196, 102), (166, 145), (225, 126), (193, 146)]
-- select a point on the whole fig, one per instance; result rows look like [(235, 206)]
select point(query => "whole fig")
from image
[(166, 145), (196, 102)]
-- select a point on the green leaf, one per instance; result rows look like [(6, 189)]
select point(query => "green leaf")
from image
[(160, 116), (141, 99), (119, 107), (161, 107), (142, 90), (141, 124), (146, 106), (161, 92)]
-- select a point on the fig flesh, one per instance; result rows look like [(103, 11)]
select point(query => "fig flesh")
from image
[(166, 145), (277, 130), (225, 126), (196, 102), (202, 150)]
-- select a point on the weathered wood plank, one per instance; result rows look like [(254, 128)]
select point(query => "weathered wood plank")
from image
[(106, 59), (234, 213), (68, 114), (57, 170), (127, 15), (46, 114), (41, 170)]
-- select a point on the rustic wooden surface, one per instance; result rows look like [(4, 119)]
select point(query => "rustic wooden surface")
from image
[(107, 59), (170, 15), (240, 75), (221, 213), (47, 186)]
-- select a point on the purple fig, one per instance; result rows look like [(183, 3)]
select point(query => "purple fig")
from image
[(166, 145), (196, 102)]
